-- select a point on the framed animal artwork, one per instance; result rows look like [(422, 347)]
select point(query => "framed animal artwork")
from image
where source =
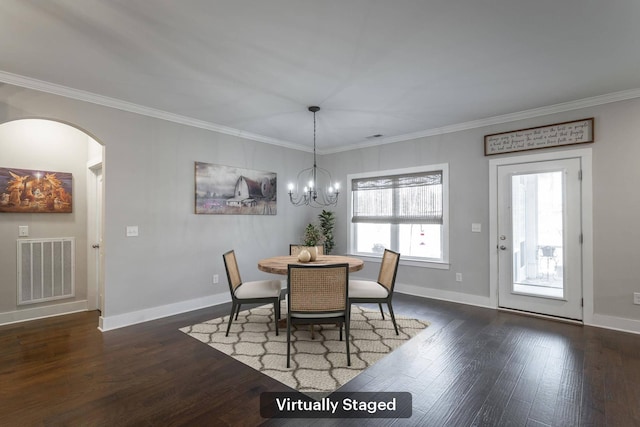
[(234, 191), (35, 191)]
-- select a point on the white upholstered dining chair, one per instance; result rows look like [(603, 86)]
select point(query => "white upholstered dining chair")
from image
[(366, 291), (256, 292)]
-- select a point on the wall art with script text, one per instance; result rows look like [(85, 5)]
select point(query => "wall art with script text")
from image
[(567, 133)]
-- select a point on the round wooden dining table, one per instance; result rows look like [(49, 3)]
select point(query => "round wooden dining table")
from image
[(278, 264)]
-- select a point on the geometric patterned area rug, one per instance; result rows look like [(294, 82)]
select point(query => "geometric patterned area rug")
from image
[(318, 365)]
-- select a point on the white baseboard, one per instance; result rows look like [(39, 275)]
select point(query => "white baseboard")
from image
[(598, 320), (42, 312), (440, 294), (616, 323), (107, 323)]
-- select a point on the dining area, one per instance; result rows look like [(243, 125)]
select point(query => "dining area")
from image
[(311, 291)]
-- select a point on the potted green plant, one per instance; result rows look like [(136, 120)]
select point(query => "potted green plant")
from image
[(327, 222), (312, 238)]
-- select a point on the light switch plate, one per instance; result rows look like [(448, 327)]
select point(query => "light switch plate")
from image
[(23, 230), (476, 227), (132, 230), (636, 298)]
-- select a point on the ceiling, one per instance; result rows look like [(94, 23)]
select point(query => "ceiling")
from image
[(399, 68)]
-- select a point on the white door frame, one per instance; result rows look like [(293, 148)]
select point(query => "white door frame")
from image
[(585, 154), (95, 291)]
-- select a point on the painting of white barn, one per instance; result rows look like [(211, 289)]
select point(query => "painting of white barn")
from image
[(231, 190)]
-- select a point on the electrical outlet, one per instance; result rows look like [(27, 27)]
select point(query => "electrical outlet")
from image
[(636, 298), (216, 279), (458, 277)]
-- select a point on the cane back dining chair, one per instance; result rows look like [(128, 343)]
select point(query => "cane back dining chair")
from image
[(256, 292), (365, 291), (318, 294), (294, 250)]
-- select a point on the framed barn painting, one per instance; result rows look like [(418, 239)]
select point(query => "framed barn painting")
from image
[(229, 190), (35, 191)]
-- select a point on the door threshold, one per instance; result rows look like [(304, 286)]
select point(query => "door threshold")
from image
[(542, 316)]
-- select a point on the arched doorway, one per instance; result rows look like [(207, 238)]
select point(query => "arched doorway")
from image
[(59, 149)]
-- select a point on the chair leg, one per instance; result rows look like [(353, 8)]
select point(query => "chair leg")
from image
[(393, 318), (381, 312), (276, 313), (340, 331), (313, 331), (233, 309), (238, 311), (288, 341), (346, 338)]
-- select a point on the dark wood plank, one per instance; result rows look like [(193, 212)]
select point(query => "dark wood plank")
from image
[(472, 366)]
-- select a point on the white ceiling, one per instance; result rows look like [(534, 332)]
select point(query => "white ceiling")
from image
[(397, 68)]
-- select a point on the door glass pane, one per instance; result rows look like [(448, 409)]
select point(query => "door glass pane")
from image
[(537, 219)]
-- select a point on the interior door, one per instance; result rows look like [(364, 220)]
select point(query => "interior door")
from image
[(539, 240), (95, 284)]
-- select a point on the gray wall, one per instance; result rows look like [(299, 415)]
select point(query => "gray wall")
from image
[(469, 203), (616, 202), (149, 182)]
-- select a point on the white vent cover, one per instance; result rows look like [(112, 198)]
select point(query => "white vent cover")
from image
[(46, 269)]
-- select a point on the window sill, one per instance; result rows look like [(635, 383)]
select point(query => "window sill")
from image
[(407, 261)]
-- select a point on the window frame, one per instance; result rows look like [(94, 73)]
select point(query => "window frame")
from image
[(404, 260)]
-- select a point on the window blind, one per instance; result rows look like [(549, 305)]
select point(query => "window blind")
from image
[(398, 199)]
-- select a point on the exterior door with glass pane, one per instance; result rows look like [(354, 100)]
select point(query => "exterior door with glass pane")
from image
[(539, 241)]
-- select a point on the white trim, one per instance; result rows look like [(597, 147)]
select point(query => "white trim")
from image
[(42, 312), (585, 154), (596, 320), (118, 104), (80, 95), (490, 121), (439, 294), (94, 164), (107, 323), (616, 323), (405, 261)]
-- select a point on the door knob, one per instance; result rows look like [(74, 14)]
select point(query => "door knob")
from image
[(503, 248)]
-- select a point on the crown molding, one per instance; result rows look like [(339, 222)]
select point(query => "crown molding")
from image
[(505, 118), (80, 95)]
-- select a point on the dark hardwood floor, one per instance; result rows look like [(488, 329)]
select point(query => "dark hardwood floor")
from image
[(472, 366)]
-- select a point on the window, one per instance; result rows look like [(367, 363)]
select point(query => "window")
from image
[(404, 210)]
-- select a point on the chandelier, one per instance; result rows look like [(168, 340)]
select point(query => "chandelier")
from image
[(317, 189)]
